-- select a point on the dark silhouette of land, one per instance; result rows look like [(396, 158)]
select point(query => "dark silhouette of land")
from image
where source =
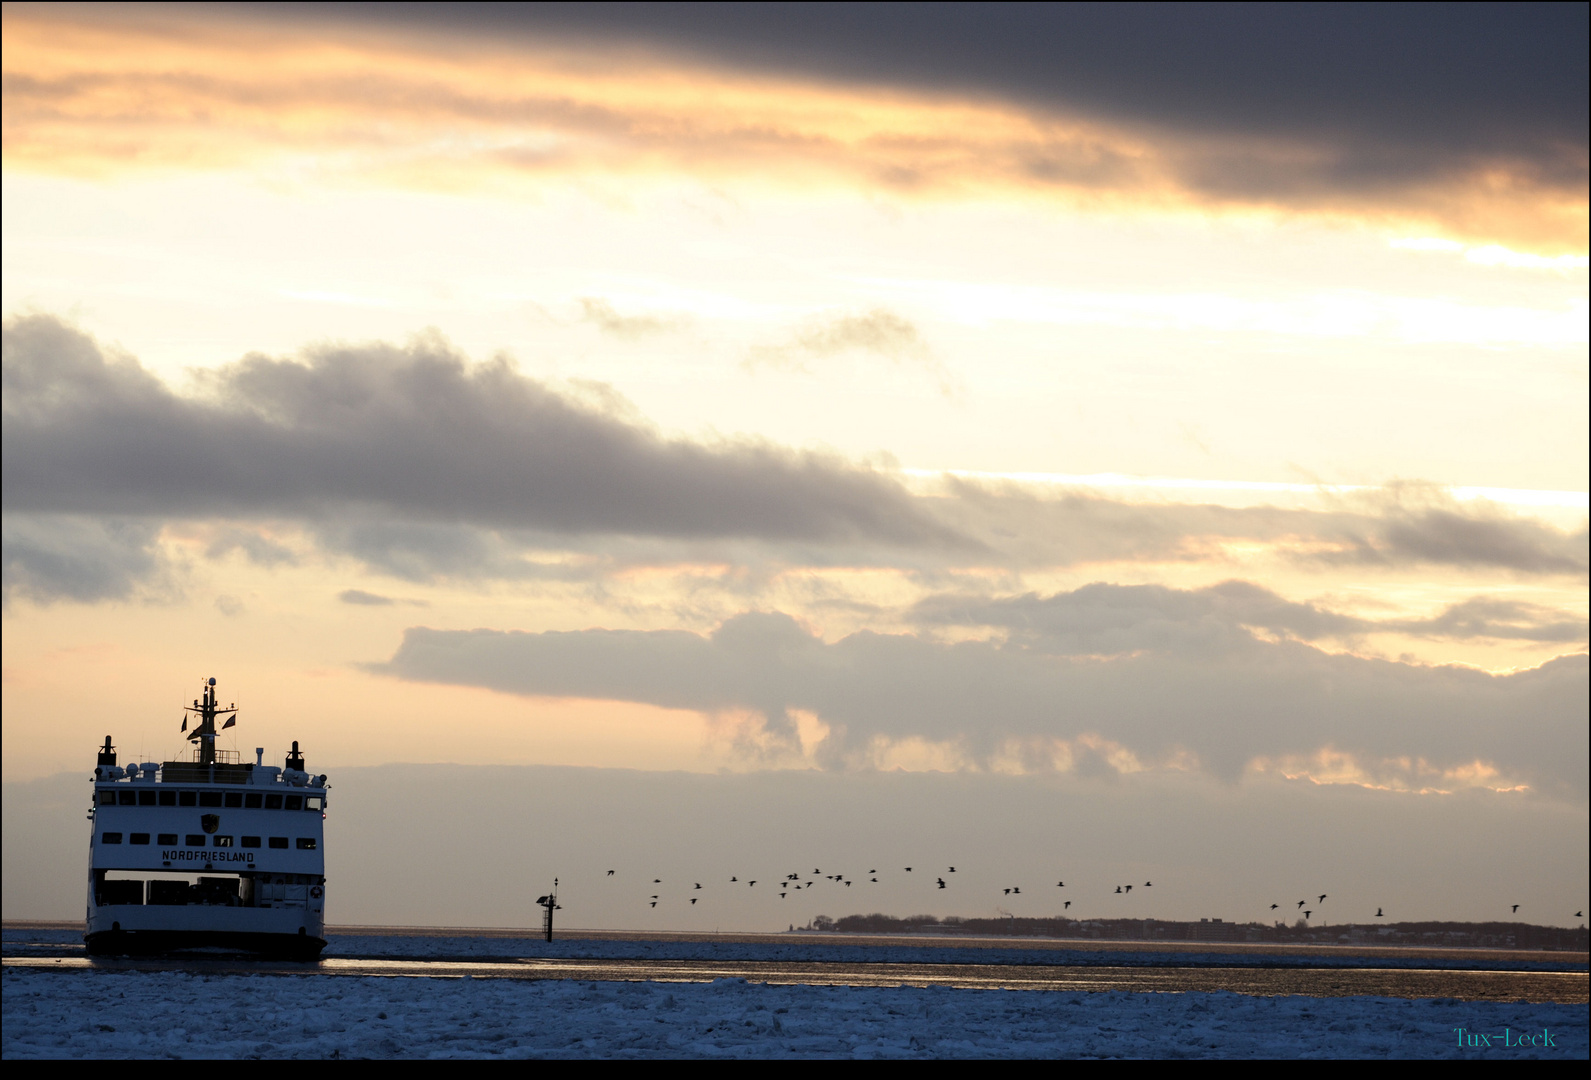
[(1496, 935)]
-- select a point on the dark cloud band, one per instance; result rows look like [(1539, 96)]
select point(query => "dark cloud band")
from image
[(1212, 689), (1285, 97), (423, 466), (413, 433)]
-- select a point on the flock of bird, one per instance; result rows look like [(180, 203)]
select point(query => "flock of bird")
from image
[(797, 882)]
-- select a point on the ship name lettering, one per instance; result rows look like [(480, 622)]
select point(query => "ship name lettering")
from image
[(205, 855)]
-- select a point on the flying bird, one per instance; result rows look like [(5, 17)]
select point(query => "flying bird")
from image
[(1129, 888), (694, 899), (654, 903), (657, 881), (1301, 903), (1060, 884), (734, 879), (1516, 907), (1322, 899), (1118, 888), (941, 882), (908, 869), (698, 884), (1066, 905), (781, 896), (610, 873), (1307, 914), (1149, 884), (1008, 892), (750, 883), (1379, 915), (952, 869), (1016, 890), (1275, 906)]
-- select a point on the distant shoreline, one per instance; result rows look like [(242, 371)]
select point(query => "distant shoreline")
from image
[(928, 940)]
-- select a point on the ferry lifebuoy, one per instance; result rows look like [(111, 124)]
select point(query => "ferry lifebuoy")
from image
[(315, 892)]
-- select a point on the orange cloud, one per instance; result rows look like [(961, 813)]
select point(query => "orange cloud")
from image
[(91, 92)]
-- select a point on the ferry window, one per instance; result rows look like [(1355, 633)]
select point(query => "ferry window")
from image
[(295, 802), (167, 839), (312, 802), (209, 798), (223, 841), (187, 798), (251, 802), (251, 841), (138, 838), (127, 798), (273, 802), (120, 892), (107, 798), (168, 798), (196, 839), (147, 798), (306, 843), (279, 841), (234, 798), (110, 838)]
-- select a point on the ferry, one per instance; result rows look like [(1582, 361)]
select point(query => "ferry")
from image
[(207, 853)]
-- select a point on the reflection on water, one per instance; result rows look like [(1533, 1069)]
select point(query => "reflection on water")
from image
[(1533, 986)]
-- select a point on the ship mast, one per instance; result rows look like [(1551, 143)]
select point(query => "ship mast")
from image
[(204, 733)]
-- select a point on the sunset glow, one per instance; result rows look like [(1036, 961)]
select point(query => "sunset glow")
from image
[(535, 393)]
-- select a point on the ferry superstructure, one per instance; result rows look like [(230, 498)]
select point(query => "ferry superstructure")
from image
[(208, 852)]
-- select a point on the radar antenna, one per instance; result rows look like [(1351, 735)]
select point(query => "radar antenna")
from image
[(204, 733)]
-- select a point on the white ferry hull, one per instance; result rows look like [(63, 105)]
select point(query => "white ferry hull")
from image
[(141, 929), (207, 852)]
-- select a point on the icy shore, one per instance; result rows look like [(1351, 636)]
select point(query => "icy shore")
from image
[(174, 1014), (144, 1015)]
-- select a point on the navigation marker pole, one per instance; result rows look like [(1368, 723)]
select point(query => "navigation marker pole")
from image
[(550, 902)]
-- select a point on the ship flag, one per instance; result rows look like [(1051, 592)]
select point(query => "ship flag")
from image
[(184, 721), (229, 722)]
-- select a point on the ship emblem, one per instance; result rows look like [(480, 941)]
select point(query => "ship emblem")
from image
[(211, 822)]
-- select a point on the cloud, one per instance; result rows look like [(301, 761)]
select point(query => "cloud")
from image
[(1404, 525), (359, 596), (50, 557), (1114, 620), (1010, 530), (423, 465), (1201, 698), (1472, 118), (1440, 535), (413, 434), (1487, 617), (258, 548), (880, 331), (629, 327), (1342, 77)]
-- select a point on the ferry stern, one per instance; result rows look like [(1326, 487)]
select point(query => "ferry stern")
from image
[(207, 853)]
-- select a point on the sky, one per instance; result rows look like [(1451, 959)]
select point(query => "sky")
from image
[(1176, 408)]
